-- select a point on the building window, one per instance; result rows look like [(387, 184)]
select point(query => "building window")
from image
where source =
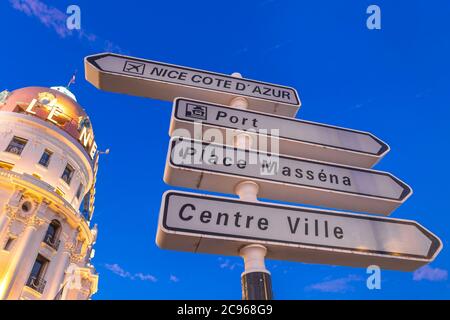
[(9, 244), (16, 145), (52, 236), (36, 279), (45, 158), (80, 191), (67, 174)]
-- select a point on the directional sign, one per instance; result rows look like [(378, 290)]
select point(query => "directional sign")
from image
[(123, 74), (201, 223), (297, 138), (213, 167)]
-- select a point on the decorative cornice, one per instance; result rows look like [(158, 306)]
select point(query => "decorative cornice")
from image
[(86, 284), (17, 196), (11, 211), (24, 216), (77, 258), (34, 221), (86, 281), (43, 206), (69, 246), (22, 183)]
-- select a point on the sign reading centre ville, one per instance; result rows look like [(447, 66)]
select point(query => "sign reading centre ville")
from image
[(201, 223), (123, 74), (296, 138), (201, 165)]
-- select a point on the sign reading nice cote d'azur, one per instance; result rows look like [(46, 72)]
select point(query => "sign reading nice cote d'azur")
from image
[(163, 81)]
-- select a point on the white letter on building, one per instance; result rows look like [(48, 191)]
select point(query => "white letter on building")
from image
[(31, 106), (85, 137)]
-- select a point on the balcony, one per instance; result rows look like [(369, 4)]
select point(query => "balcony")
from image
[(53, 243), (36, 283)]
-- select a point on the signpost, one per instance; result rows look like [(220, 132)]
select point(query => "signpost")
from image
[(129, 75), (200, 165), (209, 224), (306, 162), (296, 138)]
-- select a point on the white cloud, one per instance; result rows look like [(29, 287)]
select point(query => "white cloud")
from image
[(339, 285), (115, 268), (55, 19), (430, 274), (145, 277), (173, 278), (227, 264), (48, 16)]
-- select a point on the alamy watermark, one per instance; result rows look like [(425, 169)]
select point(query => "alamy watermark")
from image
[(229, 147), (374, 20), (373, 281), (73, 21)]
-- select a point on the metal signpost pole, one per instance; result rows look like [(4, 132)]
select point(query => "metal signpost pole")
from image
[(255, 280)]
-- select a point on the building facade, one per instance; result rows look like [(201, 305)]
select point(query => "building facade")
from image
[(48, 166)]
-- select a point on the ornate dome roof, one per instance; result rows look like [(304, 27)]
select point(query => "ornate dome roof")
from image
[(69, 115), (66, 101)]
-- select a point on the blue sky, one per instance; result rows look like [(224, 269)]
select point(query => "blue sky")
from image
[(393, 82)]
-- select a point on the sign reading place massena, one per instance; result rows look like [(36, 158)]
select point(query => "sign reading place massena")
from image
[(297, 138), (208, 166), (123, 74), (201, 223)]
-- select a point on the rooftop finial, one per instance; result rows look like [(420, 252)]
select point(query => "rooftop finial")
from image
[(72, 79)]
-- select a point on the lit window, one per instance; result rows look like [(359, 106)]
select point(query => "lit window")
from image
[(9, 244), (36, 279), (80, 190), (16, 145), (52, 236), (45, 158), (68, 174)]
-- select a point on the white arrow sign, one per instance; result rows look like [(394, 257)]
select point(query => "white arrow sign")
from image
[(213, 167), (201, 223), (297, 138), (123, 74)]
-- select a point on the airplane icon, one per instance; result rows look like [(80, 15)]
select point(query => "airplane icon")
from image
[(134, 67)]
